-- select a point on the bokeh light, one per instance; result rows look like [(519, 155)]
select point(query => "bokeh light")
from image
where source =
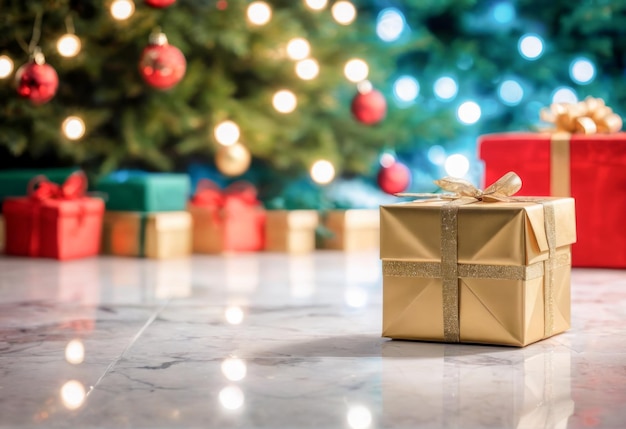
[(298, 48), (307, 69), (68, 45), (73, 394), (75, 352), (359, 417), (6, 66), (530, 46), (564, 94), (436, 154), (503, 12), (284, 101), (468, 113), (234, 369), (227, 133), (355, 297), (73, 127), (582, 71), (457, 165), (390, 24), (511, 92), (122, 9), (406, 88), (356, 70), (259, 13), (234, 315), (344, 12), (316, 4), (387, 160), (322, 172), (445, 88), (231, 397)]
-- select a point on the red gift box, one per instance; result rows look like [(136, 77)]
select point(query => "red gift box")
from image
[(54, 221), (590, 168), (227, 220)]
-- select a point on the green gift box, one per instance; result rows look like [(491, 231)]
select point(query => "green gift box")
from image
[(145, 192), (14, 183)]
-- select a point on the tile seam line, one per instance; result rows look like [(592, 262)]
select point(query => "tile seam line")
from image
[(132, 342)]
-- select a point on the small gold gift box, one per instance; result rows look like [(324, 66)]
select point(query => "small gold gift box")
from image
[(291, 231), (350, 230), (478, 268), (159, 235)]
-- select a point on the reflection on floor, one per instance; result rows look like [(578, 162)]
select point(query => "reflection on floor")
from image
[(276, 341)]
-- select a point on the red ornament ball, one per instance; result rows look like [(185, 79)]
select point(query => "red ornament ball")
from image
[(159, 3), (369, 107), (162, 65), (394, 178), (37, 82)]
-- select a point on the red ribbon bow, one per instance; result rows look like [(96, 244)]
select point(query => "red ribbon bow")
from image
[(41, 189), (209, 194)]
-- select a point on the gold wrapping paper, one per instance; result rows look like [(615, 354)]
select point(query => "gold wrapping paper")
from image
[(290, 231), (208, 235), (2, 234), (160, 235), (504, 252), (352, 230)]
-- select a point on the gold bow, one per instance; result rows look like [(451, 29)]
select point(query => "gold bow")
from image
[(590, 116), (500, 190)]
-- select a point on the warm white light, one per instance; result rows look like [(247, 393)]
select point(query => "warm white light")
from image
[(234, 315), (234, 369), (307, 69), (390, 24), (344, 12), (73, 127), (227, 133), (284, 101), (322, 172), (511, 92), (298, 48), (6, 66), (72, 394), (122, 9), (359, 417), (582, 71), (406, 88), (68, 45), (356, 70), (564, 95), (355, 297), (231, 397), (468, 113), (316, 4), (530, 46), (75, 352), (445, 88), (387, 160), (259, 13), (457, 165)]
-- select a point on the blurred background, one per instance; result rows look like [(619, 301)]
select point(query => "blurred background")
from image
[(318, 103)]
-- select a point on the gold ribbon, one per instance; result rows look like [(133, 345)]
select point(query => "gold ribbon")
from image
[(591, 116), (449, 270)]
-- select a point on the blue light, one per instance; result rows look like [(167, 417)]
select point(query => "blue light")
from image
[(564, 94), (503, 13), (437, 155), (406, 89), (530, 46), (445, 88), (511, 92), (390, 24), (582, 71)]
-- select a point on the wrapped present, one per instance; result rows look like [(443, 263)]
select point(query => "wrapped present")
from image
[(582, 157), (2, 234), (477, 267), (228, 220), (163, 235), (350, 230), (54, 221), (291, 231), (14, 183), (137, 191)]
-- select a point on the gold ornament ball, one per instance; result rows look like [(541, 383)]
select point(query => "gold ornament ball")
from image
[(233, 160)]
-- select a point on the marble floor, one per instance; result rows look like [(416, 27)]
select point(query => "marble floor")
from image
[(277, 341)]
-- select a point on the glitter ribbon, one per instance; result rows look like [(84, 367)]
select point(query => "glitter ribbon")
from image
[(449, 270)]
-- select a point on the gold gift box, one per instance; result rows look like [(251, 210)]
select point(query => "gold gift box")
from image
[(2, 234), (159, 235), (507, 283), (290, 231), (352, 230)]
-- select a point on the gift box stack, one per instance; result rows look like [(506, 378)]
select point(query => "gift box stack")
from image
[(51, 220), (146, 215), (583, 156), (226, 220)]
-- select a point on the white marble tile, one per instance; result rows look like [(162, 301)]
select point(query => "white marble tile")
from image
[(278, 341)]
